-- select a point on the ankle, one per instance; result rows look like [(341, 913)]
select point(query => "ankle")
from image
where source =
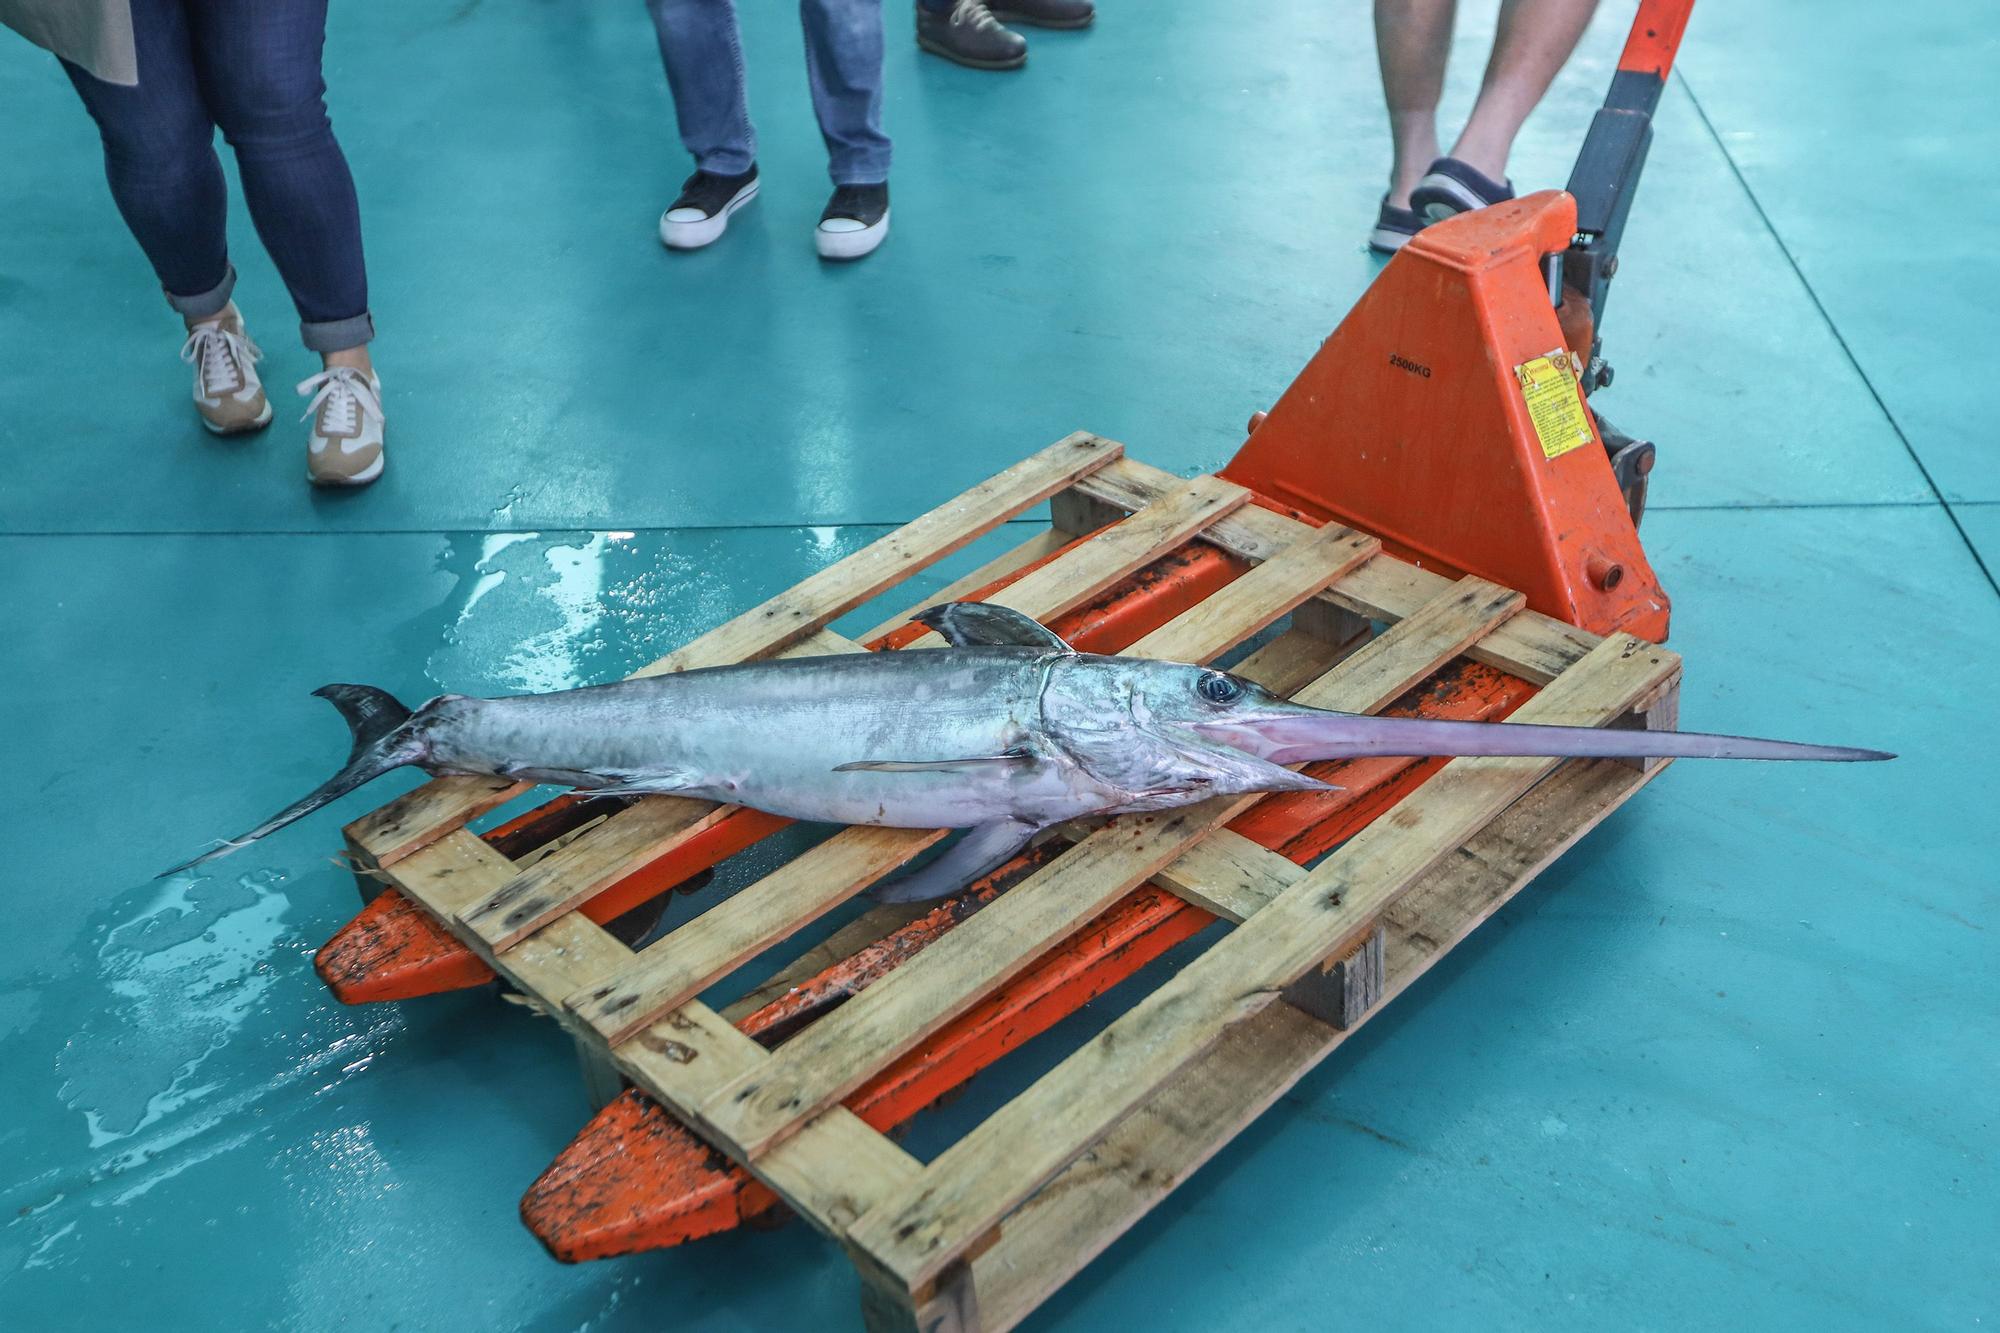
[(1403, 179), (1484, 155), (1414, 143), (229, 317), (354, 358)]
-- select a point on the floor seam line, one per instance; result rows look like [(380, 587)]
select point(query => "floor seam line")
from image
[(559, 528), (1839, 338)]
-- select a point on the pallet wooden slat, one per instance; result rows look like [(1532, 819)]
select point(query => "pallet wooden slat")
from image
[(420, 816), (1038, 547), (823, 597), (1116, 550), (575, 873), (677, 967), (966, 1190), (1229, 875), (841, 1051), (1259, 598)]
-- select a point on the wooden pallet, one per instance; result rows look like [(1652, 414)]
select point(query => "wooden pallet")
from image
[(983, 1233)]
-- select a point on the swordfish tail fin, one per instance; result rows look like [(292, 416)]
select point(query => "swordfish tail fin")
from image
[(370, 713), (1424, 736), (381, 744)]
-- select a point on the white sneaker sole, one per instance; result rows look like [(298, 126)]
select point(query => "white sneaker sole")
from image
[(694, 235), (844, 245), (361, 478), (1383, 241), (258, 422)]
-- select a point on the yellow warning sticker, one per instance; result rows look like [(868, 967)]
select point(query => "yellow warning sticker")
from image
[(1555, 403)]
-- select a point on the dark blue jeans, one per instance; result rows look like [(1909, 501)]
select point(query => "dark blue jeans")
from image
[(250, 67), (703, 52)]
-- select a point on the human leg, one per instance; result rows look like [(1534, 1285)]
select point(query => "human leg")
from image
[(844, 69), (703, 54), (259, 66), (1412, 39), (1533, 41), (159, 158)]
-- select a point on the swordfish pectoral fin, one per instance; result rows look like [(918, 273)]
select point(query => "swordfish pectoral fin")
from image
[(984, 625), (666, 782), (984, 848)]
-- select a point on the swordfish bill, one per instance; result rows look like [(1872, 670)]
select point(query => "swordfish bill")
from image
[(1005, 732)]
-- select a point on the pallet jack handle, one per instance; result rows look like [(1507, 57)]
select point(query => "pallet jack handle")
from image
[(1606, 176)]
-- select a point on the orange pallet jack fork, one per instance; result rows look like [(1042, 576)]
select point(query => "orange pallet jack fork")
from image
[(1449, 414)]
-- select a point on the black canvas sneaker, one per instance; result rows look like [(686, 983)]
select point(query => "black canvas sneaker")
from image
[(854, 223), (702, 212)]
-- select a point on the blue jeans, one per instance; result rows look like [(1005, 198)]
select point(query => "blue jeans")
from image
[(250, 67), (703, 54)]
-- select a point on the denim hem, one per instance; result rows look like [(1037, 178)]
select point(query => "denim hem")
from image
[(725, 162), (208, 304), (337, 335)]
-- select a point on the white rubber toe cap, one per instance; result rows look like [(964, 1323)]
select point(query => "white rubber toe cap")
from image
[(849, 238)]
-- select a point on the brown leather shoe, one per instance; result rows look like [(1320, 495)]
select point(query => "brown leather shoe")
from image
[(227, 392)]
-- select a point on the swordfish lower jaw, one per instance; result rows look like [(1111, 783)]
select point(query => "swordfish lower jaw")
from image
[(1294, 734)]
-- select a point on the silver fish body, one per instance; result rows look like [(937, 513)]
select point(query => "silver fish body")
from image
[(1006, 732), (774, 736)]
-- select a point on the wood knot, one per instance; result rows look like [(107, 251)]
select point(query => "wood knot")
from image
[(678, 1052)]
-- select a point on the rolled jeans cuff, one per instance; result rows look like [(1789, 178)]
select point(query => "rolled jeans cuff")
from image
[(337, 335), (208, 304)]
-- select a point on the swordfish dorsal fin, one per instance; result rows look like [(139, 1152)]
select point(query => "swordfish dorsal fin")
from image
[(984, 625)]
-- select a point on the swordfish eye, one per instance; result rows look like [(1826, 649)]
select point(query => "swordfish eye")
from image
[(1218, 687)]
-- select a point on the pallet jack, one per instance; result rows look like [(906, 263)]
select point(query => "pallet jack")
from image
[(1451, 413)]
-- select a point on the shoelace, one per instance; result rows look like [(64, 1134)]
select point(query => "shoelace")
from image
[(973, 12), (218, 355), (347, 397)]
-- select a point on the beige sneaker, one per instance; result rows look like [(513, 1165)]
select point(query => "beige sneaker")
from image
[(345, 447), (227, 392)]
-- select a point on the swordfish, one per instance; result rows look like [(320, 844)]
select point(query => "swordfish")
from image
[(1005, 732)]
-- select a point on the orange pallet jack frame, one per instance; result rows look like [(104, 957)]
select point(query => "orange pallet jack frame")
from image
[(1137, 560)]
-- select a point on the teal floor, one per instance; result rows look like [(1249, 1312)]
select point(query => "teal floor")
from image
[(1729, 1064)]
